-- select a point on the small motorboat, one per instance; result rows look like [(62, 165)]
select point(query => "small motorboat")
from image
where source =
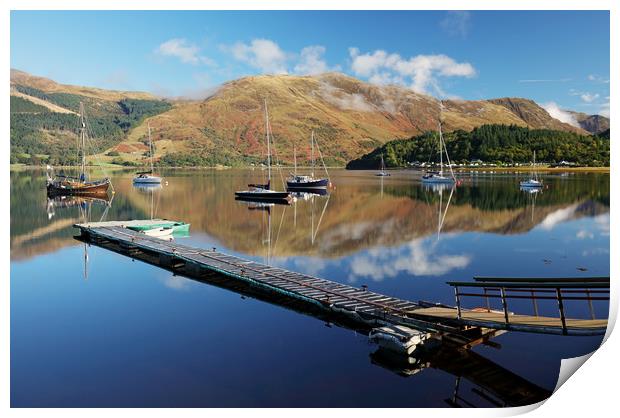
[(398, 338)]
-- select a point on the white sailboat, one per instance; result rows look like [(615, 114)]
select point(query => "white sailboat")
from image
[(437, 177), (382, 172), (147, 177), (532, 182)]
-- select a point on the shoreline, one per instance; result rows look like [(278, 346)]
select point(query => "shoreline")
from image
[(459, 169)]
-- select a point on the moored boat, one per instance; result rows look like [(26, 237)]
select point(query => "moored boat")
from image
[(263, 192), (296, 181), (382, 172), (67, 185), (437, 177), (174, 226), (533, 182), (147, 177)]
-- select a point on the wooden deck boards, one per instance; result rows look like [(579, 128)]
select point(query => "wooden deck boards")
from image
[(527, 320)]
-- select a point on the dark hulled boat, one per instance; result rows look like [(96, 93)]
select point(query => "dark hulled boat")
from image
[(298, 182), (263, 192), (306, 183), (66, 185)]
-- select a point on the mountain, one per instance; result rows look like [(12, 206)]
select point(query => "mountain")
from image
[(44, 118), (595, 124), (350, 117)]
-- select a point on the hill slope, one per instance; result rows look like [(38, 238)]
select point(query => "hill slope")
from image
[(44, 118), (349, 117), (594, 124)]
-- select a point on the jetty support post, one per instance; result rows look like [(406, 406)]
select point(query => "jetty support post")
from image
[(558, 293), (458, 302), (502, 292)]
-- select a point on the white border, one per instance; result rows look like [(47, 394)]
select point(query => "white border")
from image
[(591, 392)]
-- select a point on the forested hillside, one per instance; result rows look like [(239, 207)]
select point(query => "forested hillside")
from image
[(493, 143), (39, 134)]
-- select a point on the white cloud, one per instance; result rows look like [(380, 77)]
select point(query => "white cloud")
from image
[(418, 258), (419, 72), (555, 112), (583, 234), (557, 217), (456, 23), (185, 51), (598, 79), (344, 100), (311, 61), (262, 54), (589, 97)]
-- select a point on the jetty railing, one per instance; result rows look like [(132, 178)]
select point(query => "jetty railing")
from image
[(559, 289)]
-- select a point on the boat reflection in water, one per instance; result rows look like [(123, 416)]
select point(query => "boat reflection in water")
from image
[(84, 203), (440, 189), (489, 384)]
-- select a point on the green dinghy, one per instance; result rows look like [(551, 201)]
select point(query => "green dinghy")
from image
[(177, 227)]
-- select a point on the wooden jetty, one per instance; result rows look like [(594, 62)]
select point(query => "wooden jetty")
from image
[(453, 325)]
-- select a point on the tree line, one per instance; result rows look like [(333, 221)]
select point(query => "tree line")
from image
[(500, 144)]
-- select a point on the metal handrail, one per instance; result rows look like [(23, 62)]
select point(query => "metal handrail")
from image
[(573, 286)]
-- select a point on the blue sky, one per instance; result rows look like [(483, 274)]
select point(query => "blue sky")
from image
[(556, 58)]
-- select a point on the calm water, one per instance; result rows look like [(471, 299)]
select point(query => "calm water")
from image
[(93, 328)]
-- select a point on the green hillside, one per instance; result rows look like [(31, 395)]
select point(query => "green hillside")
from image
[(41, 135), (492, 143)]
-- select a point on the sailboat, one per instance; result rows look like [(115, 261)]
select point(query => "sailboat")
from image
[(382, 172), (532, 182), (263, 192), (298, 182), (147, 177), (437, 177), (66, 185)]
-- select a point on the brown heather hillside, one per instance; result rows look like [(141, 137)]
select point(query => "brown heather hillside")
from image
[(350, 117), (592, 123), (533, 115), (49, 86)]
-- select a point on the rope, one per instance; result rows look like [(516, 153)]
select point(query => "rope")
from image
[(322, 161)]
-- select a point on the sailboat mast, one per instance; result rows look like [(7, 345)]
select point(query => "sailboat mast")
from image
[(440, 149), (295, 158), (268, 146), (83, 137), (312, 151), (150, 145)]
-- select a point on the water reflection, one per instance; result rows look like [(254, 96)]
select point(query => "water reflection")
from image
[(355, 217), (407, 238), (83, 203), (492, 382)]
